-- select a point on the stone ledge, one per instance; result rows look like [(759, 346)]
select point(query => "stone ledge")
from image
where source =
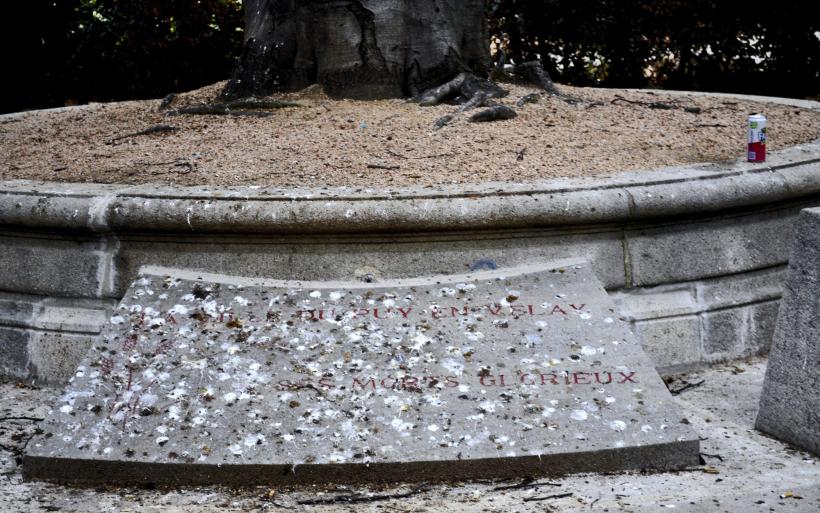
[(791, 174)]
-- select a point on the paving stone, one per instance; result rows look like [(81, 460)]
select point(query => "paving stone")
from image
[(790, 401), (499, 374)]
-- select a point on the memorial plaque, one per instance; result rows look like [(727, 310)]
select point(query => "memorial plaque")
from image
[(496, 374)]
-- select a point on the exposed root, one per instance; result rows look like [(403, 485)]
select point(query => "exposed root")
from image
[(530, 98), (534, 73), (463, 88), (242, 107), (442, 122), (672, 104), (438, 94), (166, 102), (156, 129), (471, 92), (496, 113)]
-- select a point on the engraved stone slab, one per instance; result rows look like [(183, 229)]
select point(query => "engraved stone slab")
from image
[(213, 379), (790, 401)]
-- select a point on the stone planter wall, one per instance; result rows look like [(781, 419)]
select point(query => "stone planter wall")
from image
[(695, 256)]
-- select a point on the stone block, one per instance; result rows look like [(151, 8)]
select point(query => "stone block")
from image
[(14, 353), (76, 319), (16, 309), (672, 343), (658, 302), (53, 357), (760, 329), (694, 251), (742, 289), (340, 258), (790, 401), (723, 333), (61, 266)]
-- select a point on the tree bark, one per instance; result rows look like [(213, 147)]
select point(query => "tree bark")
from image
[(362, 49)]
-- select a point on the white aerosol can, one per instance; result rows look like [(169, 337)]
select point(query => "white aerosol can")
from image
[(757, 138)]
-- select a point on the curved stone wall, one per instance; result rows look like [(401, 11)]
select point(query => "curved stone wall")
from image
[(694, 255)]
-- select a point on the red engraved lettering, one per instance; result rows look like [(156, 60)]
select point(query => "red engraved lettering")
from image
[(371, 383), (627, 378), (384, 384), (501, 380), (325, 383), (436, 312), (409, 382), (376, 313), (487, 377), (405, 313), (552, 378), (455, 311), (598, 378), (557, 308), (525, 381), (170, 318), (494, 309), (450, 382), (518, 310), (581, 378), (530, 309), (578, 308), (362, 312)]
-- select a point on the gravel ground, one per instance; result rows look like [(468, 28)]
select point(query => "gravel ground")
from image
[(386, 143), (743, 471)]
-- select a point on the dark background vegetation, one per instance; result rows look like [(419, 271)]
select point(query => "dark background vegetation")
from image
[(60, 52)]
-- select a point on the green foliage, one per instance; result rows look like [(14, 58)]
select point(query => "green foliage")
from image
[(751, 46), (66, 51)]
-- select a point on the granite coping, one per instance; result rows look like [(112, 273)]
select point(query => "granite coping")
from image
[(214, 379)]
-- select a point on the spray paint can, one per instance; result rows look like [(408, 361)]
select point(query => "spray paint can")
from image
[(757, 138)]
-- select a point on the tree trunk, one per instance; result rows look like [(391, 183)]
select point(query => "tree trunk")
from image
[(363, 49)]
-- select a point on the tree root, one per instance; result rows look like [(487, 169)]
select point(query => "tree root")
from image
[(472, 92), (534, 73), (156, 129), (495, 113), (530, 98), (243, 107), (462, 89), (670, 105)]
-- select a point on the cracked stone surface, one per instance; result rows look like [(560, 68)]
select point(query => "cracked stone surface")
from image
[(212, 379)]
